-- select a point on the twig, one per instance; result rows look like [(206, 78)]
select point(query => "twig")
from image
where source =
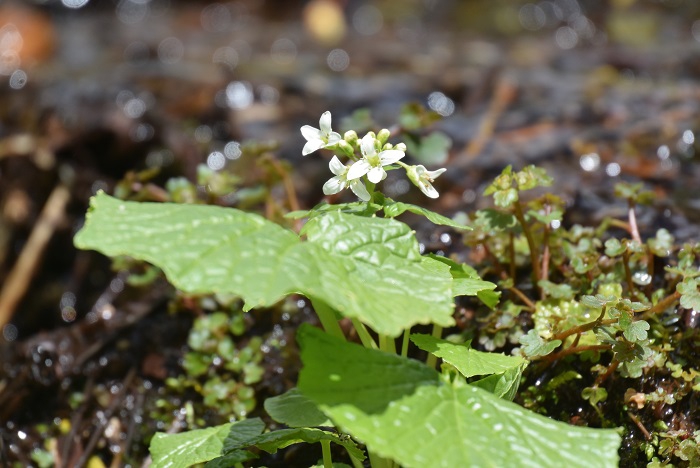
[(639, 424), (634, 231), (530, 305), (663, 304), (583, 328), (603, 377), (20, 276), (573, 350), (502, 96)]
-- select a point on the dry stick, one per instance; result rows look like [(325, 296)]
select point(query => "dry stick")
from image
[(663, 304), (23, 270), (634, 231), (502, 96), (99, 430), (639, 424), (574, 350)]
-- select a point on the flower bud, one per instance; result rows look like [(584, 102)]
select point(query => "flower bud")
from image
[(383, 135), (351, 137), (388, 146), (400, 147), (345, 148)]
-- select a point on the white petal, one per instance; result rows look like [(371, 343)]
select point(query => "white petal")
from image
[(359, 189), (429, 190), (367, 145), (333, 138), (325, 123), (390, 156), (336, 166), (358, 169), (432, 175), (333, 185), (311, 146), (376, 174), (311, 133)]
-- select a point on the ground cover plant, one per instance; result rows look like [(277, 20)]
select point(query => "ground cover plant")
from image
[(570, 302)]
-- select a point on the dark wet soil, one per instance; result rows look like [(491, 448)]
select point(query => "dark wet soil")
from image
[(90, 94)]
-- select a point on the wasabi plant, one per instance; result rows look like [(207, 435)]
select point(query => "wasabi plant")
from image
[(357, 264)]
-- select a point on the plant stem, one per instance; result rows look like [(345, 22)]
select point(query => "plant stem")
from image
[(355, 462), (634, 231), (574, 350), (628, 273), (327, 318), (404, 343), (365, 337), (534, 253), (326, 450), (432, 359), (386, 343), (531, 305), (584, 327), (663, 304)]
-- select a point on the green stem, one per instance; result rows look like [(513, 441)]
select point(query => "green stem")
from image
[(326, 450), (534, 252), (365, 337), (386, 343), (404, 343), (327, 318), (432, 359), (355, 462)]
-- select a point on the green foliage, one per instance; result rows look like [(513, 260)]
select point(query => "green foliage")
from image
[(376, 396), (534, 345), (362, 267)]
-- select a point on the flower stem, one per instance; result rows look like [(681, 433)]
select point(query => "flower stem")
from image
[(365, 337), (326, 450), (432, 359), (386, 343), (327, 318), (404, 343), (534, 253)]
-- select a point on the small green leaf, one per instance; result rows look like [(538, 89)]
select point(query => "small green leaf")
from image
[(556, 291), (489, 298), (295, 410), (532, 176), (505, 198), (465, 280), (200, 445), (469, 362), (614, 247), (431, 149), (594, 395), (393, 209), (636, 331), (496, 220), (403, 411), (503, 385), (662, 244), (690, 296), (534, 345)]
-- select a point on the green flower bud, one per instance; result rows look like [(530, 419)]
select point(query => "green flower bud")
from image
[(383, 135), (346, 148), (400, 147), (351, 137), (388, 146)]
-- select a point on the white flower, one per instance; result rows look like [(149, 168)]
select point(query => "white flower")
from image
[(371, 162), (317, 139), (340, 181), (423, 179)]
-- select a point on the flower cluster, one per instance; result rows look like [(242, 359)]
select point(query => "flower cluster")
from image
[(375, 154)]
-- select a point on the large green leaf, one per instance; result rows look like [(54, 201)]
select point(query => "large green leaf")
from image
[(365, 268), (200, 445), (469, 362), (403, 411), (200, 248), (295, 410), (371, 269)]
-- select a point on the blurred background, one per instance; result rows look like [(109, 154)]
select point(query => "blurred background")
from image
[(195, 101)]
